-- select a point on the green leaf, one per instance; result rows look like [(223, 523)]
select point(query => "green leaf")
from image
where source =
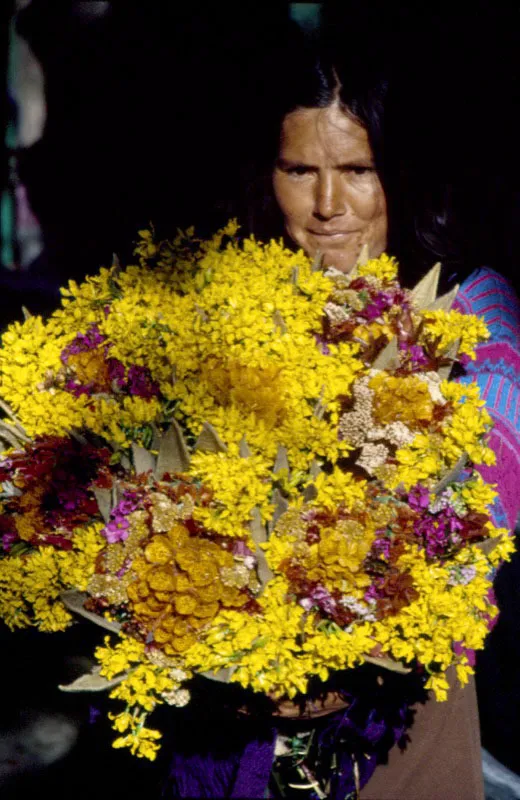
[(259, 534), (93, 682), (20, 548), (209, 440), (74, 601), (173, 452)]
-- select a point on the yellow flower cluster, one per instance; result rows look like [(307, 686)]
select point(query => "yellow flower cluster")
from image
[(425, 630), (448, 327), (338, 489), (238, 484), (30, 584), (230, 337), (405, 399), (430, 455), (470, 421), (279, 664), (444, 613), (144, 686), (383, 268)]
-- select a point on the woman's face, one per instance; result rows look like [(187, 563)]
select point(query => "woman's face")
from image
[(327, 188)]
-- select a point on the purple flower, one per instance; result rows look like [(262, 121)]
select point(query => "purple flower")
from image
[(438, 532), (461, 576), (372, 593), (116, 372), (127, 563), (8, 539), (459, 649), (84, 342), (320, 597), (380, 303), (128, 503), (322, 344), (241, 549), (116, 530), (419, 497), (381, 547), (415, 353), (140, 382), (76, 389)]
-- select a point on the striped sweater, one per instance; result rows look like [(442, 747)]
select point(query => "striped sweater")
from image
[(497, 371)]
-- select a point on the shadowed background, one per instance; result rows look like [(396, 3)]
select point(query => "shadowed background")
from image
[(152, 112)]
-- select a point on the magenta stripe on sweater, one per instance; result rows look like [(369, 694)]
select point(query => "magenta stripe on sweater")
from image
[(497, 370)]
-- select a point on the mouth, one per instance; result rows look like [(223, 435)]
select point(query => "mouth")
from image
[(331, 236)]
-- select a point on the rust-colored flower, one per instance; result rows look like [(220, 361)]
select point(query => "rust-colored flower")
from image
[(181, 585), (397, 591)]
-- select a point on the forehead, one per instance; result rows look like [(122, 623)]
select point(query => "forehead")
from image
[(323, 135)]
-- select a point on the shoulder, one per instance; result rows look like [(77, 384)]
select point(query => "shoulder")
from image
[(496, 368), (491, 296)]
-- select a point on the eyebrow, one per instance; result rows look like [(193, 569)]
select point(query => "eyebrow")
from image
[(285, 163)]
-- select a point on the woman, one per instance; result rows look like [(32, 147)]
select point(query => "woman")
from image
[(332, 184)]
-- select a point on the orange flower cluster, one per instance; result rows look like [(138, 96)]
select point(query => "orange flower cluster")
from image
[(404, 399), (91, 369), (180, 587), (29, 520)]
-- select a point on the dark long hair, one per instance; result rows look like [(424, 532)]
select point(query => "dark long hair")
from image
[(314, 74)]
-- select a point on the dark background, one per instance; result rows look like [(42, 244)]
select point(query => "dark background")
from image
[(154, 108), (152, 113)]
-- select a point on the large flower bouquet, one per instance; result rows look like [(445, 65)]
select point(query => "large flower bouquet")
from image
[(247, 466)]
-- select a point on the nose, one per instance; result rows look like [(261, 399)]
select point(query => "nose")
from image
[(329, 198)]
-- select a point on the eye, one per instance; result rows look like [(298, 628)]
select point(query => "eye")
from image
[(359, 169), (298, 169)]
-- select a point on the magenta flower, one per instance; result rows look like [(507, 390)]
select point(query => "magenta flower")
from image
[(320, 597), (84, 342), (381, 547), (116, 372), (419, 497), (116, 530), (415, 353), (8, 539), (140, 382), (438, 533)]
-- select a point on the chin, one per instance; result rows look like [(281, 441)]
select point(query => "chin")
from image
[(345, 262)]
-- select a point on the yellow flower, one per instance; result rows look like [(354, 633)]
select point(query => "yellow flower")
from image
[(338, 489), (448, 327), (478, 495), (383, 268), (404, 399)]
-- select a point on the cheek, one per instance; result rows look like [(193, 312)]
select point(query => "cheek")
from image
[(293, 200), (370, 206)]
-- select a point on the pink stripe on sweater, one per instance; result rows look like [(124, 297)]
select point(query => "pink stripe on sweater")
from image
[(486, 276), (506, 472), (499, 351), (501, 321), (491, 293)]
